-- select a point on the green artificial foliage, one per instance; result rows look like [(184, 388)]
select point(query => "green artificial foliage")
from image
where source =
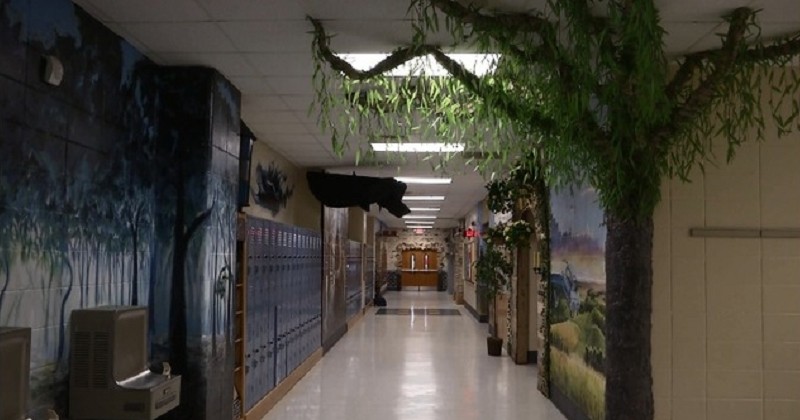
[(583, 91), (493, 271)]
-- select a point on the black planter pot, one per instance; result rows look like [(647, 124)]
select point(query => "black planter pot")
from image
[(494, 345)]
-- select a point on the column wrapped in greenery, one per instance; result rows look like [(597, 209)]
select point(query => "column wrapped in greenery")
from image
[(583, 87)]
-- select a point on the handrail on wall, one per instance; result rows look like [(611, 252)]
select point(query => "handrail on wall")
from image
[(788, 233)]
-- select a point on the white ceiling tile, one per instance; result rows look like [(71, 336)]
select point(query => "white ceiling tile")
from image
[(309, 119), (267, 129), (253, 9), (374, 36), (229, 64), (298, 102), (181, 37), (282, 64), (291, 85), (778, 11), (683, 37), (263, 102), (778, 30), (270, 117), (249, 85), (119, 29), (300, 140), (363, 9), (149, 10), (697, 11), (270, 36)]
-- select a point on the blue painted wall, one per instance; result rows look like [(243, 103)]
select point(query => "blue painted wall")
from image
[(116, 187)]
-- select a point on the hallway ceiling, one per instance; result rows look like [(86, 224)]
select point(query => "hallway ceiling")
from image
[(264, 48)]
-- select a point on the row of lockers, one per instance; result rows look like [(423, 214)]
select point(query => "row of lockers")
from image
[(283, 303), (369, 273), (353, 281)]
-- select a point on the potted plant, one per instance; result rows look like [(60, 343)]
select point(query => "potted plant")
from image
[(492, 272)]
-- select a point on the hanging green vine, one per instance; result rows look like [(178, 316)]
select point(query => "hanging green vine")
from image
[(589, 96)]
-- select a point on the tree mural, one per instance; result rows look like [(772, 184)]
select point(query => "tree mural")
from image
[(584, 88)]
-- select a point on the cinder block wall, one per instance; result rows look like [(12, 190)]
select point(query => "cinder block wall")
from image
[(726, 311)]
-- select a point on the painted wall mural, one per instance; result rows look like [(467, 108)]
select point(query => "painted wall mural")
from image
[(274, 190), (577, 313), (334, 305), (284, 193), (117, 187)]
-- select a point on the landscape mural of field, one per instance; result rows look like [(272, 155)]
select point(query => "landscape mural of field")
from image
[(577, 316)]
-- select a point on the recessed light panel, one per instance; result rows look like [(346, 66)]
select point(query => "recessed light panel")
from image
[(478, 64), (418, 147), (429, 181), (423, 198)]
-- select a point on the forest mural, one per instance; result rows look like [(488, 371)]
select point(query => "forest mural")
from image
[(577, 307), (117, 187), (334, 305)]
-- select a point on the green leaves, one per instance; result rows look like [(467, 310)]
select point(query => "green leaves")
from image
[(492, 271), (580, 95)]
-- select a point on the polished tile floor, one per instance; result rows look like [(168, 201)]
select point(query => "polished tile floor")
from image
[(418, 365)]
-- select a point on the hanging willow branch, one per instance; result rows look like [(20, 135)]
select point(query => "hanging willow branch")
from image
[(589, 95), (723, 63), (396, 59)]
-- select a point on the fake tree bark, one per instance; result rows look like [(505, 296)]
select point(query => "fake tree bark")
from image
[(592, 98)]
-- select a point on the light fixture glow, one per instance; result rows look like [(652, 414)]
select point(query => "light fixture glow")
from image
[(424, 208), (418, 216), (478, 64), (421, 222), (419, 227), (423, 198), (418, 147), (419, 180)]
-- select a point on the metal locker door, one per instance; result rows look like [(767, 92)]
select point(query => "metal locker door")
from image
[(250, 318), (264, 228), (279, 298), (269, 302)]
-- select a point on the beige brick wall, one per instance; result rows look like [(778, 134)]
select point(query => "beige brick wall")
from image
[(726, 312)]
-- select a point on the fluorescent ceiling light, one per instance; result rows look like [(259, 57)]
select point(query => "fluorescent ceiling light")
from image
[(424, 209), (418, 216), (417, 180), (423, 198), (478, 64), (419, 227), (421, 222), (418, 147)]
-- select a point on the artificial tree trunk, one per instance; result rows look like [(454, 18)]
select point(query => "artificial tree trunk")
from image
[(629, 283)]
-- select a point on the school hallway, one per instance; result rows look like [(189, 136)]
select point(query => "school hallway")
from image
[(427, 362)]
